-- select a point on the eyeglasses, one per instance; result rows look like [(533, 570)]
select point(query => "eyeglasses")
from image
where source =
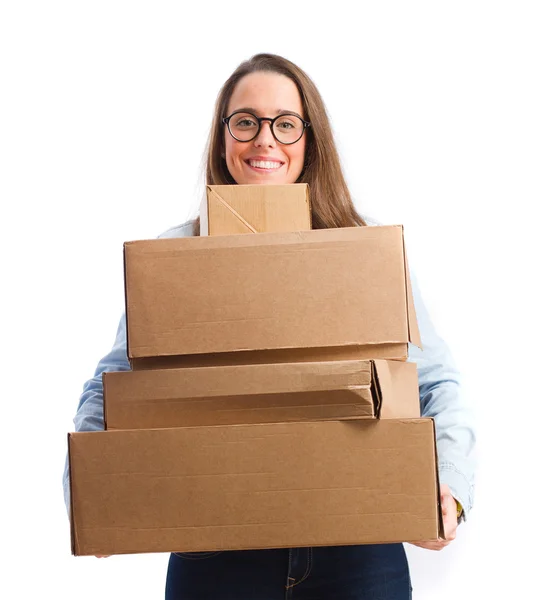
[(245, 126)]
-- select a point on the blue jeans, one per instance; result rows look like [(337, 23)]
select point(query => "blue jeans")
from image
[(370, 572)]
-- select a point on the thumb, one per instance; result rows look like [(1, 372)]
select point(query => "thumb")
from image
[(445, 494), (447, 501)]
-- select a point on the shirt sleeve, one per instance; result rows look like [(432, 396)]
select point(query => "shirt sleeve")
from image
[(442, 398), (90, 413)]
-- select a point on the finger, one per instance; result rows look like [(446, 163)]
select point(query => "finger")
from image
[(450, 526), (445, 490), (448, 504), (440, 545), (435, 546), (431, 543)]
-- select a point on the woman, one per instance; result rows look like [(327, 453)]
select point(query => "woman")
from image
[(270, 127)]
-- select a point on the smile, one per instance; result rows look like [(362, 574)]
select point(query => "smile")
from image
[(265, 165)]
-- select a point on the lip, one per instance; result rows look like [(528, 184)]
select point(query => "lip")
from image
[(273, 158)]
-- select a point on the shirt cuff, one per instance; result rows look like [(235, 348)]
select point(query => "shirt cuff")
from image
[(459, 486)]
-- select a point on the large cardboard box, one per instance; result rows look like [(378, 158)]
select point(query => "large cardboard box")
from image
[(253, 486), (260, 394), (231, 209), (271, 297)]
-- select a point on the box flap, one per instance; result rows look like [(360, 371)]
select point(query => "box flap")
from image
[(73, 538), (399, 388), (415, 337), (238, 394), (126, 304), (395, 351), (203, 215), (104, 399), (441, 525)]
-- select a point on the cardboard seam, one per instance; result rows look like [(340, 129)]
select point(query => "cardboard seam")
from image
[(126, 307), (73, 535), (407, 285), (348, 345), (406, 295), (441, 526), (376, 390), (104, 403)]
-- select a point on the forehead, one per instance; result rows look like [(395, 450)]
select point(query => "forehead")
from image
[(267, 93)]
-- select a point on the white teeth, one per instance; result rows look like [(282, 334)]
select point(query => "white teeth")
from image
[(264, 164)]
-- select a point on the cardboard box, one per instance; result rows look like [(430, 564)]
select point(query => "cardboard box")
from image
[(325, 294), (253, 486), (260, 394), (231, 209)]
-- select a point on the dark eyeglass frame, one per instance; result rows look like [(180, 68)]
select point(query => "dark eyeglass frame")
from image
[(305, 125)]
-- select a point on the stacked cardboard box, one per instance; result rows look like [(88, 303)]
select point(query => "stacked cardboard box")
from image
[(270, 403)]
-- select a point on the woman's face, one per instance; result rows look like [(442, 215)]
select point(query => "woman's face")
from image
[(264, 160)]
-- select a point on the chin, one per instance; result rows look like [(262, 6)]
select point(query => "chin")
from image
[(269, 181), (254, 178), (266, 180)]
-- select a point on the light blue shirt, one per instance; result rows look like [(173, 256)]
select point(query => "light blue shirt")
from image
[(440, 395)]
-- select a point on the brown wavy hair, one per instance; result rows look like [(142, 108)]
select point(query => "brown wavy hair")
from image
[(330, 198)]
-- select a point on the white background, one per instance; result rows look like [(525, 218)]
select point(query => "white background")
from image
[(104, 113)]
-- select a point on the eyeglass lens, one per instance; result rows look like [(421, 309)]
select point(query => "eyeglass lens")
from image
[(286, 128)]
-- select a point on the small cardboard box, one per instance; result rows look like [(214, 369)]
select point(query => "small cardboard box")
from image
[(267, 393), (231, 209), (296, 296), (234, 487)]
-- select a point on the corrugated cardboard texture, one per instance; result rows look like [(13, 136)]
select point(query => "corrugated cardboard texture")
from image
[(272, 291), (260, 394), (254, 486), (233, 209)]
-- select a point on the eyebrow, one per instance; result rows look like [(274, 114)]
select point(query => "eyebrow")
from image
[(280, 111)]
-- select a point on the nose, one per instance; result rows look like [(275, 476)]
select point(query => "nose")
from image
[(265, 136)]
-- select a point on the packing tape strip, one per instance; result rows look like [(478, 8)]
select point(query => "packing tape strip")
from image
[(235, 213)]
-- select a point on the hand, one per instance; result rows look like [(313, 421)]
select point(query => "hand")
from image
[(450, 521)]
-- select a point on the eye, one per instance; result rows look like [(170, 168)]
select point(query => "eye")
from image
[(287, 123), (246, 123), (243, 122)]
